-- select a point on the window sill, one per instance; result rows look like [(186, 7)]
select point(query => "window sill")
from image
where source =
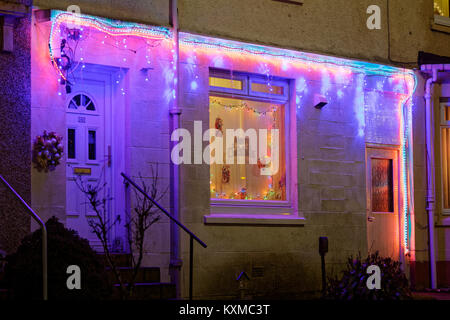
[(444, 222), (441, 24), (238, 203), (252, 219)]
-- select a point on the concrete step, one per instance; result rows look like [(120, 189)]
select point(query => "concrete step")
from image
[(122, 260), (145, 274), (152, 291), (4, 294)]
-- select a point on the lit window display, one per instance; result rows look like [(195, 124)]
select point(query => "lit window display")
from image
[(244, 178), (441, 7)]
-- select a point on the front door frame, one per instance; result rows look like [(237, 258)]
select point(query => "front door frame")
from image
[(115, 145), (380, 151)]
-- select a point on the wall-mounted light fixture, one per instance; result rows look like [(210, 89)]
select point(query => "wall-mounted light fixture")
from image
[(320, 101), (145, 72)]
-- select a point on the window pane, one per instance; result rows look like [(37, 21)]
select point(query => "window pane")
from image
[(72, 105), (86, 100), (246, 180), (264, 88), (441, 7), (225, 83), (447, 113), (92, 145), (445, 167), (382, 185), (81, 100), (71, 144), (77, 100), (90, 106)]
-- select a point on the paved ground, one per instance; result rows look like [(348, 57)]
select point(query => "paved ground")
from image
[(432, 295)]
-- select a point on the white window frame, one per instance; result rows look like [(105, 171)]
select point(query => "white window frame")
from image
[(236, 211), (441, 20), (230, 76), (82, 109), (271, 96), (443, 124)]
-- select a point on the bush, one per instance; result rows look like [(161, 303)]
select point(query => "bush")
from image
[(23, 273), (352, 285)]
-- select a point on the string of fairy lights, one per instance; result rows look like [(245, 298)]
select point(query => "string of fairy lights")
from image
[(242, 106), (69, 31)]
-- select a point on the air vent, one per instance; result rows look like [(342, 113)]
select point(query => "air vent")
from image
[(257, 272)]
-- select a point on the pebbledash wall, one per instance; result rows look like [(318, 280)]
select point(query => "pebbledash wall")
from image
[(15, 123), (368, 103)]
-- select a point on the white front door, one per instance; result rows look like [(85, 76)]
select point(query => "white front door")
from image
[(88, 152), (383, 202)]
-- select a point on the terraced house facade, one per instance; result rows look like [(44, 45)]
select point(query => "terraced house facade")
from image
[(356, 93)]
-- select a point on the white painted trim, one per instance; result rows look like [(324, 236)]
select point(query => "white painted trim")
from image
[(260, 219), (444, 222), (249, 203), (115, 118), (443, 21), (233, 77), (273, 96), (443, 124), (252, 209)]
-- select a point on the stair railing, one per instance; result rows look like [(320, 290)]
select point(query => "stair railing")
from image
[(192, 236), (44, 236)]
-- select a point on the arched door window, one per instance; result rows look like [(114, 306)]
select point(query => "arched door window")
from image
[(81, 102)]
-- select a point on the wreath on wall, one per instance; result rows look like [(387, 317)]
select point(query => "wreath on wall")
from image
[(47, 151)]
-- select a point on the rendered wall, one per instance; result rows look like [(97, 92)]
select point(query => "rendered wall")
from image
[(153, 12), (323, 26), (47, 113), (15, 147)]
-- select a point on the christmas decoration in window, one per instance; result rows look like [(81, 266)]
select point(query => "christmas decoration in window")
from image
[(247, 181)]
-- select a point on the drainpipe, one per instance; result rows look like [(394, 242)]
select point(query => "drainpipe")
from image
[(175, 113), (430, 200)]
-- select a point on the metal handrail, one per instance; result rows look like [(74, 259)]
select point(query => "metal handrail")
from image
[(192, 236), (38, 219)]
